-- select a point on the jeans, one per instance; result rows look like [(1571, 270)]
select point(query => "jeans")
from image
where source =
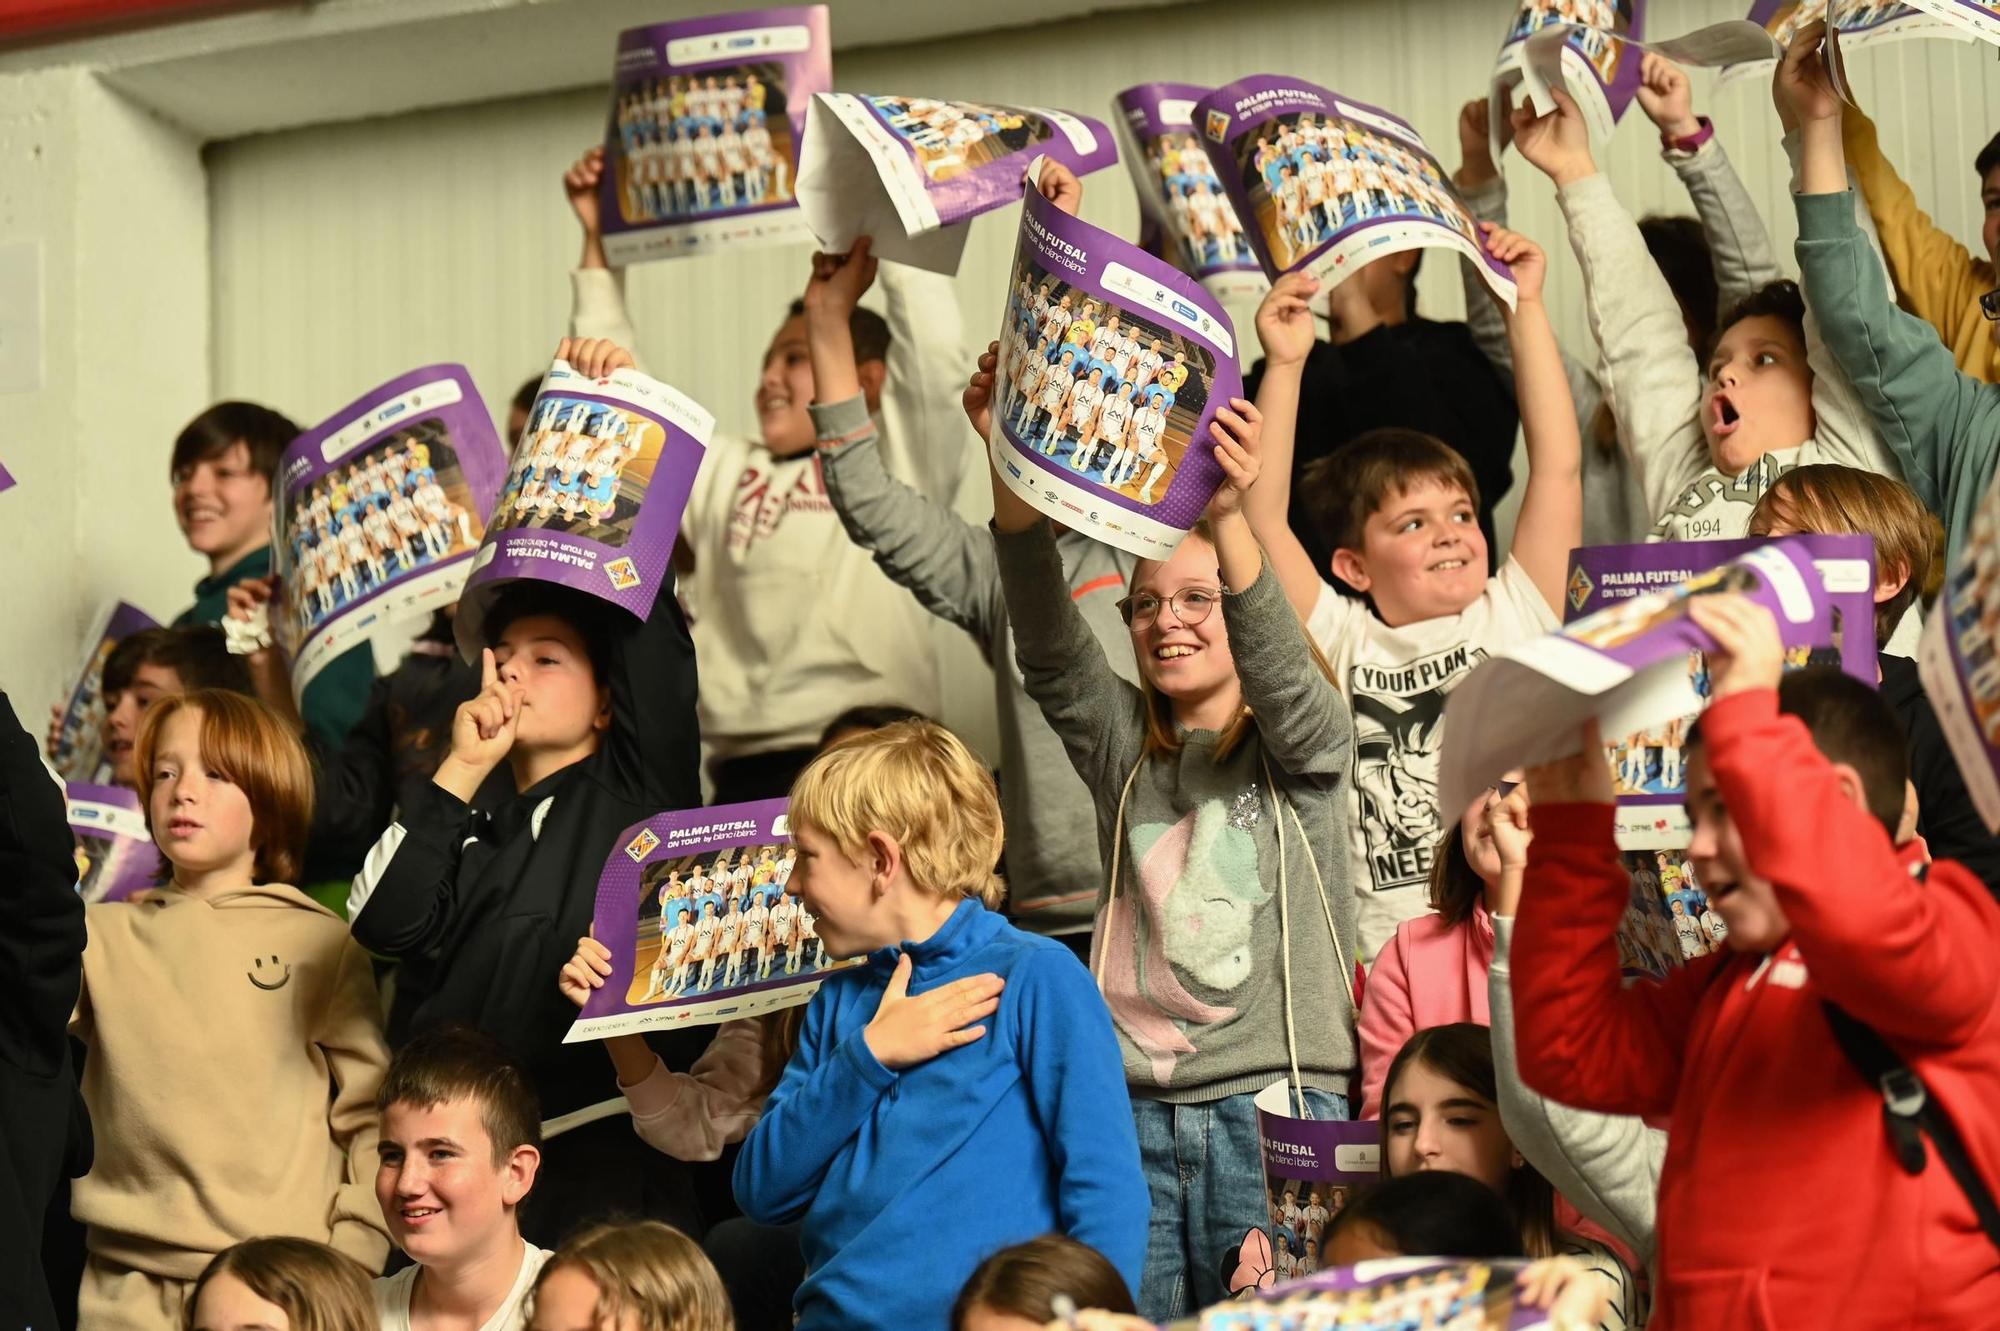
[(1205, 1176)]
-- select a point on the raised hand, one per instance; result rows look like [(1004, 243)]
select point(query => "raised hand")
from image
[(978, 396), (1666, 96), (838, 280), (1059, 185), (1530, 264), (1584, 777), (580, 186), (1285, 320), (1748, 652), (1557, 144), (594, 357), (907, 1031), (586, 972), (1238, 430), (1475, 145), (1802, 89)]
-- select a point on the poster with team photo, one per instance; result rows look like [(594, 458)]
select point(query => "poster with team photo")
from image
[(1668, 922), (1112, 366), (1325, 184), (693, 909), (380, 508), (115, 856), (1311, 1167), (1959, 659), (910, 172), (79, 736), (594, 492), (1181, 198), (1579, 46), (1387, 1295), (702, 145)]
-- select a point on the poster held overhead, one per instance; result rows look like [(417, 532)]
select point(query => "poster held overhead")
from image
[(1580, 46), (1181, 198), (701, 149), (1977, 18)]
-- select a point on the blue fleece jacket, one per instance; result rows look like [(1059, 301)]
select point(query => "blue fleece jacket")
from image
[(908, 1180)]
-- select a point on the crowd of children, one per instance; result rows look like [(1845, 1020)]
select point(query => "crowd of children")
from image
[(1213, 862)]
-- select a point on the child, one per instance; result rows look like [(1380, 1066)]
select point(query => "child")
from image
[(1228, 760), (632, 1277), (897, 1099), (280, 1284), (461, 1143), (1794, 790), (158, 663), (1018, 1288), (1706, 439), (1400, 510), (225, 1009), (592, 713)]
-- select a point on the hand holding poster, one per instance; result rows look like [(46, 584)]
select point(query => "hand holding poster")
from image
[(1112, 365), (76, 744), (379, 510), (1959, 659), (1578, 46), (1746, 46), (594, 492), (1179, 192), (911, 171), (706, 117), (1325, 184), (1311, 1167), (1396, 1292), (693, 909)]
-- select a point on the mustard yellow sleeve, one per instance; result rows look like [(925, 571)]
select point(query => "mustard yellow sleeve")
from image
[(1937, 276)]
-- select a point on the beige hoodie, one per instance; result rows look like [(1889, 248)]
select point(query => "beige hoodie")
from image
[(235, 1051)]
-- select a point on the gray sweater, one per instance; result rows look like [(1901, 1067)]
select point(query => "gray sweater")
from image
[(1053, 869), (1211, 951)]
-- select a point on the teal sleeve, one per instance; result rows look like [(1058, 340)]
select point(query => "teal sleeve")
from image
[(337, 696)]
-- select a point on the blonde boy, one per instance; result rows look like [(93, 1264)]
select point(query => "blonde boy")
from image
[(963, 1051)]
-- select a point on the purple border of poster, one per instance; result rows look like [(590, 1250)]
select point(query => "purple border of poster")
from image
[(1624, 84), (1138, 120), (997, 183), (104, 814)]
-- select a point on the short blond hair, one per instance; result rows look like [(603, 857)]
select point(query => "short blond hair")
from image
[(914, 781), (650, 1270)]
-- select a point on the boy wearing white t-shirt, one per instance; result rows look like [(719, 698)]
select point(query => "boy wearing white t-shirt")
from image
[(460, 1146), (1401, 510)]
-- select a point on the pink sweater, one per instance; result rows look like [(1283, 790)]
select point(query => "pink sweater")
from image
[(1428, 975)]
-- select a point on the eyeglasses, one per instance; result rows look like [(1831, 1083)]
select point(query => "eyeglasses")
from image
[(1190, 605)]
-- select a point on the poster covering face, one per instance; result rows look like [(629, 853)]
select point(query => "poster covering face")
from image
[(693, 908), (702, 146), (1311, 1167), (79, 736), (115, 856), (1396, 1292), (910, 172), (1112, 366), (1324, 184), (1182, 200), (1583, 50), (594, 492), (1959, 659)]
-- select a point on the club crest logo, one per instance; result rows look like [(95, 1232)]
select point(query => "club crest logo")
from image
[(1216, 125), (624, 576), (1580, 588), (639, 847)]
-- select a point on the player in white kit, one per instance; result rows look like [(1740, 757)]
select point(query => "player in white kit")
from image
[(756, 922), (1114, 415)]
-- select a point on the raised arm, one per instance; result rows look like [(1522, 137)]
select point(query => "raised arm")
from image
[(1285, 327), (597, 290), (925, 442), (41, 949), (1937, 275)]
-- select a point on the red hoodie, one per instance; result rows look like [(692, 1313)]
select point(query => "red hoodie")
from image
[(1781, 1202)]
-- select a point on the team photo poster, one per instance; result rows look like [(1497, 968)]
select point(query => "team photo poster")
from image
[(114, 855), (78, 746), (1181, 198), (702, 145), (1325, 184), (1959, 659), (1311, 1167), (380, 508), (594, 491), (1112, 366), (1394, 1294), (1583, 50), (693, 909), (910, 172)]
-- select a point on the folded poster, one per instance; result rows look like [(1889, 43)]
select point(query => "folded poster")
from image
[(1980, 18), (693, 908), (1112, 366), (1324, 183), (911, 171), (1959, 659), (379, 511), (1180, 196), (702, 146), (1579, 46), (1637, 664), (1398, 1292), (594, 492), (79, 737), (1311, 1167), (115, 856), (1750, 45)]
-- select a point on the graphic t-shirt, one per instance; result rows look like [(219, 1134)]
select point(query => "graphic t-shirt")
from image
[(1396, 680), (392, 1294)]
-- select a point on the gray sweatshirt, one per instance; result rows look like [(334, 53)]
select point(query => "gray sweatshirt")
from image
[(1216, 957), (1053, 869)]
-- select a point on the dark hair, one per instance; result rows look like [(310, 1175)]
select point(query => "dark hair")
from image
[(1410, 283), (1342, 490), (1433, 1213), (1988, 159), (868, 716), (459, 1062), (198, 653), (264, 432), (524, 396), (590, 617), (1454, 888), (1779, 300), (869, 330), (318, 1287), (1680, 250), (1024, 1280), (1463, 1052)]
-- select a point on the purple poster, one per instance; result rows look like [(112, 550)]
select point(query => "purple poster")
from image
[(702, 147), (594, 492), (1859, 24), (1112, 366), (909, 171), (77, 746), (693, 908), (1959, 659), (114, 854), (6, 479), (1311, 1167), (1395, 1293), (380, 508), (1325, 184), (1582, 48), (1180, 196), (1980, 18)]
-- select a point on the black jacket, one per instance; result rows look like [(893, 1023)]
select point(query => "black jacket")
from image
[(1946, 818), (41, 969), (499, 898)]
